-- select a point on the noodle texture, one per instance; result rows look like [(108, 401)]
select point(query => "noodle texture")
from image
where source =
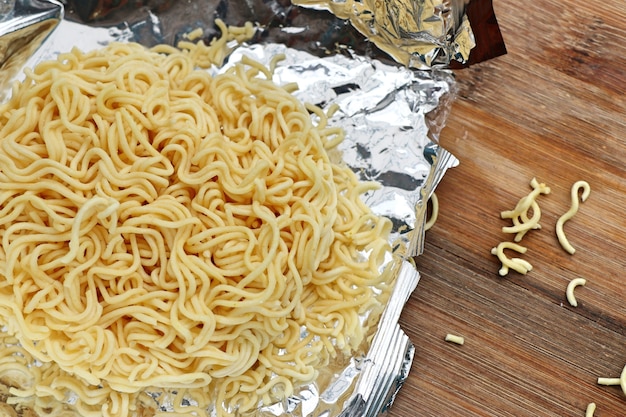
[(169, 234), (560, 233), (522, 221)]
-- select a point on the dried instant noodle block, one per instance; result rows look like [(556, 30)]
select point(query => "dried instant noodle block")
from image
[(175, 238)]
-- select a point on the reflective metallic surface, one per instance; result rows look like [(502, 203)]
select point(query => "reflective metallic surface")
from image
[(24, 24), (416, 33)]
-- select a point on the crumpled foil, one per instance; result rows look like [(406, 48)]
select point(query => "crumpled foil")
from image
[(419, 34), (24, 24), (392, 117)]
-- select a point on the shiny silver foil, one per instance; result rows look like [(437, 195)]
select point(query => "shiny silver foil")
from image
[(392, 117), (24, 25), (416, 33)]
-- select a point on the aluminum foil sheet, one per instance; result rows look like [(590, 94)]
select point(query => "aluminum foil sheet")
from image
[(392, 117), (24, 24), (419, 34)]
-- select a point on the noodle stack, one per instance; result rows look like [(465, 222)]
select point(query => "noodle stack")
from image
[(167, 231)]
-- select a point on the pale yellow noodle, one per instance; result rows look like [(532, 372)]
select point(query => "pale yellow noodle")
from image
[(569, 292), (434, 201), (453, 338), (165, 230), (517, 264), (576, 188), (522, 222)]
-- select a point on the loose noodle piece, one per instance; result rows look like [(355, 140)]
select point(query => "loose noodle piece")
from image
[(194, 34), (591, 409), (569, 292), (576, 188), (434, 204), (452, 338), (164, 229), (516, 264), (621, 381), (608, 381), (522, 222)]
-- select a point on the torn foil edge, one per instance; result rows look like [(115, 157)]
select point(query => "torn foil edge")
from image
[(389, 359), (442, 160)]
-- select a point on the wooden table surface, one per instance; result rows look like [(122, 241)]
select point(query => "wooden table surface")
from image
[(553, 108)]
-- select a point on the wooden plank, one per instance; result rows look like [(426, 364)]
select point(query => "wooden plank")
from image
[(553, 108)]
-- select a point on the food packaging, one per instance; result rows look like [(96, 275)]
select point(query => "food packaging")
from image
[(392, 115), (24, 25)]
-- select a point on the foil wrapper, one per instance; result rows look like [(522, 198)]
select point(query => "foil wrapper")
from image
[(24, 25), (419, 34), (392, 117)]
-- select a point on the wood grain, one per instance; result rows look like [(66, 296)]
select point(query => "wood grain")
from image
[(553, 108)]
